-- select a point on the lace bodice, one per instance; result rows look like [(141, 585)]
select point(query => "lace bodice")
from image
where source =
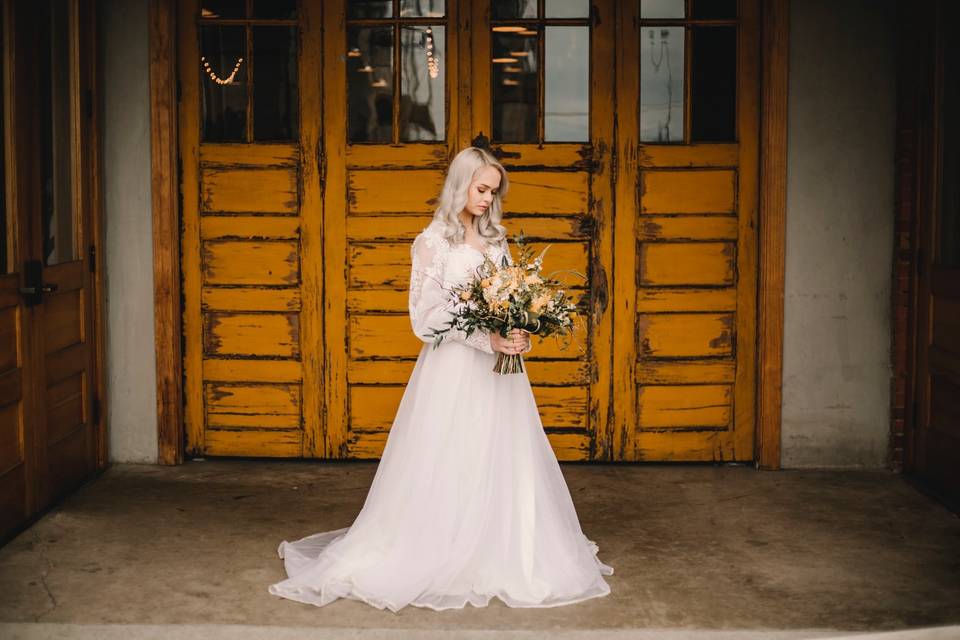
[(435, 267)]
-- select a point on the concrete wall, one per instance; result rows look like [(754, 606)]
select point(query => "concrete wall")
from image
[(131, 380), (840, 189), (839, 233)]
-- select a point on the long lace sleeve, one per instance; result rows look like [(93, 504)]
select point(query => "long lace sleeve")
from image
[(430, 306)]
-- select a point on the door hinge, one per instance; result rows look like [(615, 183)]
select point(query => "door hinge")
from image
[(92, 258)]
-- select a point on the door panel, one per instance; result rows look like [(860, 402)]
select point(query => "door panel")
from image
[(686, 223), (541, 87), (251, 212)]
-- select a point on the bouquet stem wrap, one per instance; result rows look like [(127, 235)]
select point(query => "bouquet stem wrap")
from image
[(508, 363)]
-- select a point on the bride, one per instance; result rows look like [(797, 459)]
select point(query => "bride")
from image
[(468, 501)]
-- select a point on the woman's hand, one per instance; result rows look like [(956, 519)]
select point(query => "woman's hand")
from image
[(517, 341)]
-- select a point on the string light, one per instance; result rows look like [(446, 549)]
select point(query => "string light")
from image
[(213, 76), (433, 66)]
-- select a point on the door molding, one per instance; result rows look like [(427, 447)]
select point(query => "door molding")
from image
[(166, 225), (774, 68), (166, 230)]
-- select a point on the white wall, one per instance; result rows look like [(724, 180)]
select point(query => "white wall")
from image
[(839, 236), (131, 379)]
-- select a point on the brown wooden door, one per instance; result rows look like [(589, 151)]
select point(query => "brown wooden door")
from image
[(686, 230), (49, 430), (936, 444)]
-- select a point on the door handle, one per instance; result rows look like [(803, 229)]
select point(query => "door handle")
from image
[(34, 286), (35, 291)]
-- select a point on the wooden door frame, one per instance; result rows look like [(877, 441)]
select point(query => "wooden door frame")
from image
[(166, 229)]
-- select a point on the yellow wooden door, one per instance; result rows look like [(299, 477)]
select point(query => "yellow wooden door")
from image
[(249, 129), (310, 162), (686, 230), (425, 80)]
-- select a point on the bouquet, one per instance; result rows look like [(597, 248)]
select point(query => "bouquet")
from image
[(512, 296)]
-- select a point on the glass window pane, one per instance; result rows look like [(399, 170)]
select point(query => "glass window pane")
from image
[(661, 84), (369, 8), (223, 78), (713, 9), (514, 87), (422, 79), (662, 9), (509, 9), (713, 84), (275, 9), (275, 106), (370, 84), (223, 9), (57, 222), (421, 8), (567, 8), (567, 84), (948, 230)]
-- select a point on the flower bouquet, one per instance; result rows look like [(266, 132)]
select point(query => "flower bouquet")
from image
[(502, 297)]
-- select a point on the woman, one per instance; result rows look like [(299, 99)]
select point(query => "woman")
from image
[(468, 501)]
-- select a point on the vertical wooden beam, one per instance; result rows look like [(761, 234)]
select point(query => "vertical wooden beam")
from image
[(166, 229), (312, 167), (773, 205), (603, 267), (747, 318), (334, 143), (627, 206)]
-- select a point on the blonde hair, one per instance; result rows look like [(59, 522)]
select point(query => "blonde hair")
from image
[(453, 197)]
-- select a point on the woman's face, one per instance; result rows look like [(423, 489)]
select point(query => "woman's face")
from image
[(485, 184)]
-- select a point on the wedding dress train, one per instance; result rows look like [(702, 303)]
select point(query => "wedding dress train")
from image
[(468, 501)]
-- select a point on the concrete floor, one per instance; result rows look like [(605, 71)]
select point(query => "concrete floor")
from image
[(699, 552)]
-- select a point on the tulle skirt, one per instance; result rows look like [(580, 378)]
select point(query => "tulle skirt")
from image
[(468, 502)]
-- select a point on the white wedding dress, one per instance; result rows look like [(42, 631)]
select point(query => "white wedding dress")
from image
[(468, 501)]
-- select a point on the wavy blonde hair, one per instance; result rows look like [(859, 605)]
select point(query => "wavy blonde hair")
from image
[(453, 197)]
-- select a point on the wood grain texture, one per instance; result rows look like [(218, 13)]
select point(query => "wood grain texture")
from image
[(164, 193), (773, 206)]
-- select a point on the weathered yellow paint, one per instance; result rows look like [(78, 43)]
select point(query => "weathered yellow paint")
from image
[(249, 227), (549, 192), (667, 299), (688, 227), (251, 334), (693, 405), (410, 190), (684, 446), (685, 335), (686, 263), (236, 370), (268, 443), (706, 191), (249, 299), (253, 400), (685, 371), (265, 262), (253, 190), (296, 263), (262, 155)]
